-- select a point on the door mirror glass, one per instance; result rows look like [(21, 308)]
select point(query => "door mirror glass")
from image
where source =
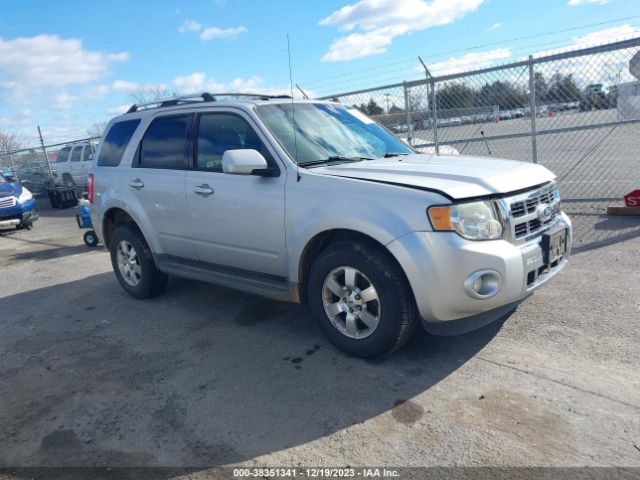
[(244, 162)]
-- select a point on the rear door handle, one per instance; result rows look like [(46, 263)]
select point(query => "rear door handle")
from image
[(205, 190), (137, 184)]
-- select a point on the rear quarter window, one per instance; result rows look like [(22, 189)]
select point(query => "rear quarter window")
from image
[(115, 143), (75, 154), (63, 156)]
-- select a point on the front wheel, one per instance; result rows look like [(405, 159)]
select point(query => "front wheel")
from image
[(133, 263), (362, 299)]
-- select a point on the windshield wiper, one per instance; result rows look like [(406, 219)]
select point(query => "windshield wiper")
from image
[(335, 158), (394, 154)]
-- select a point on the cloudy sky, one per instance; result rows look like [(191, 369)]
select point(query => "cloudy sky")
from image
[(67, 65)]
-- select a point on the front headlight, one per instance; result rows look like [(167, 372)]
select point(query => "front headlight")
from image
[(25, 196), (473, 221)]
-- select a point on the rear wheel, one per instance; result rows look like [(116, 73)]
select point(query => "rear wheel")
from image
[(361, 299), (133, 263)]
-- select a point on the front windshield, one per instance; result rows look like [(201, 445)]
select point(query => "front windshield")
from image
[(326, 131)]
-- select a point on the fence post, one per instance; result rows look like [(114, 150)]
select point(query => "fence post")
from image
[(46, 157), (533, 110), (434, 115), (13, 168), (407, 109)]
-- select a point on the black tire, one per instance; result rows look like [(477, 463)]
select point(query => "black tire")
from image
[(151, 281), (90, 238), (396, 308)]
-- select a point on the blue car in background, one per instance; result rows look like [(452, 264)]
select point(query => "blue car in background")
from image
[(17, 205)]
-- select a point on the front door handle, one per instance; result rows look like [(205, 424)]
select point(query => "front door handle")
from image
[(205, 190), (137, 184)]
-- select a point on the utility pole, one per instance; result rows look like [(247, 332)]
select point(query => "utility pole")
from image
[(387, 97), (44, 150)]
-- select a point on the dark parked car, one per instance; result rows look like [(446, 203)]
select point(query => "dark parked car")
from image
[(17, 205)]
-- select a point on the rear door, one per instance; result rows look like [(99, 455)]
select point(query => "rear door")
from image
[(75, 166), (236, 220), (158, 181)]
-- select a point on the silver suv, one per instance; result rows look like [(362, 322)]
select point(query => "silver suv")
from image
[(311, 201)]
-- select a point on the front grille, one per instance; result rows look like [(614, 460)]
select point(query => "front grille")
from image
[(525, 220), (524, 207), (7, 202)]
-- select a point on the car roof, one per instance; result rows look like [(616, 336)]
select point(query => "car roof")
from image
[(219, 100)]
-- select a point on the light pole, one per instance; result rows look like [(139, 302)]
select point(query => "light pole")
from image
[(387, 95)]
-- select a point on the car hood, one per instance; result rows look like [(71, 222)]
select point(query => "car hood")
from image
[(457, 176), (10, 189)]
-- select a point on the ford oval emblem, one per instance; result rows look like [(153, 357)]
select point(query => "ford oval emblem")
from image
[(544, 212)]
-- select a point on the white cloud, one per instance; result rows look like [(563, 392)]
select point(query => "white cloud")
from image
[(130, 87), (64, 101), (599, 37), (575, 3), (118, 109), (493, 27), (209, 33), (190, 26), (95, 91), (383, 20), (198, 82), (118, 57), (470, 61), (226, 33), (50, 61)]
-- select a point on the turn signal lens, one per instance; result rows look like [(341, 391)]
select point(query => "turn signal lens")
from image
[(440, 218), (472, 220)]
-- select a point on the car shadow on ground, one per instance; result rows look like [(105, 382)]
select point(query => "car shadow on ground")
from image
[(201, 376), (607, 230)]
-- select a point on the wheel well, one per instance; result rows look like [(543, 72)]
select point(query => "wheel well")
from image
[(113, 218), (318, 243)]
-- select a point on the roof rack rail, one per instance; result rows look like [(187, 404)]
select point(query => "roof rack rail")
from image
[(196, 98)]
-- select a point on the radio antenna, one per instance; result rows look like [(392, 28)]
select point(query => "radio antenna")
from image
[(293, 113)]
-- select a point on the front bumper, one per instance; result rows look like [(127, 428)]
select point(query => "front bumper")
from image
[(18, 215), (438, 263)]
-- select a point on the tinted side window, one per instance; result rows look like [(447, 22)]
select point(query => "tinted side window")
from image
[(115, 143), (165, 143), (86, 154), (76, 153), (219, 132), (63, 155)]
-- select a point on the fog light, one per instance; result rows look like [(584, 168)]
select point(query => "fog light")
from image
[(483, 284)]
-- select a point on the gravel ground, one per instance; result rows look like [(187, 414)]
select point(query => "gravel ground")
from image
[(204, 376)]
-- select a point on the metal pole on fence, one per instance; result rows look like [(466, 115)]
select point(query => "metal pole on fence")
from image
[(44, 150), (532, 101), (434, 116), (13, 168), (407, 109)]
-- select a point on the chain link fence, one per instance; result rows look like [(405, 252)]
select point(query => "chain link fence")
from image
[(35, 168), (577, 113)]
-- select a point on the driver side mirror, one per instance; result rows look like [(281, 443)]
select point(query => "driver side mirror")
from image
[(245, 162)]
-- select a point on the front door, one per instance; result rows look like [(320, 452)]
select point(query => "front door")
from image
[(236, 220)]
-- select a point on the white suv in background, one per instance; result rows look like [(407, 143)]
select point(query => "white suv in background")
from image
[(72, 165)]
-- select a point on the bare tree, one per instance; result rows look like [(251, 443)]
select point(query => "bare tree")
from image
[(9, 140), (153, 93), (97, 129)]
